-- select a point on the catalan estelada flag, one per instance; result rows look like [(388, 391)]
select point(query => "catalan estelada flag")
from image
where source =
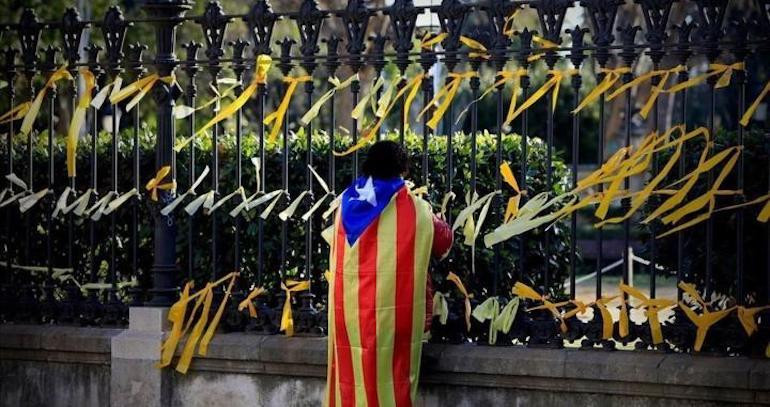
[(379, 259)]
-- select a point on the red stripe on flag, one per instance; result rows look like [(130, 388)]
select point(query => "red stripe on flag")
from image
[(367, 305), (346, 381), (402, 346)]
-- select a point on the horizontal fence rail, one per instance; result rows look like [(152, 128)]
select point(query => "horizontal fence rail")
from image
[(136, 165)]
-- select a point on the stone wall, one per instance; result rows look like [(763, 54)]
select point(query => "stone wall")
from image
[(68, 366)]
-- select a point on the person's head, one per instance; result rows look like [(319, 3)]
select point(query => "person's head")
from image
[(385, 159)]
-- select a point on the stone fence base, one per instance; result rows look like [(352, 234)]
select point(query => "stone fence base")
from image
[(72, 366)]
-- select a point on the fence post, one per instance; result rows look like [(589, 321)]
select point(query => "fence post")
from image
[(164, 268)]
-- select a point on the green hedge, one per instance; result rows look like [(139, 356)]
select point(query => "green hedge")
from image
[(459, 260)]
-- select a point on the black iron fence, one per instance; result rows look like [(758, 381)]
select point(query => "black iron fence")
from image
[(81, 245)]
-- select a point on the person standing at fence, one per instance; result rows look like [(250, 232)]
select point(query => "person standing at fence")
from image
[(379, 299)]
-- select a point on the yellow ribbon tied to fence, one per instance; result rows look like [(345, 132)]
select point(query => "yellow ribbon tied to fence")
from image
[(512, 209), (276, 118), (524, 291), (156, 182), (652, 307), (707, 199), (663, 76), (16, 113), (139, 89), (445, 95), (754, 105), (552, 84), (544, 46), (287, 321), (611, 76), (316, 108), (385, 105), (181, 323), (478, 50), (706, 319), (429, 40), (748, 318), (502, 78), (262, 66), (607, 322), (248, 301), (78, 117), (467, 297), (725, 73), (488, 310), (34, 107)]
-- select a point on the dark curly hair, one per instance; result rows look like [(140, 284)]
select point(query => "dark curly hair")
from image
[(386, 159)]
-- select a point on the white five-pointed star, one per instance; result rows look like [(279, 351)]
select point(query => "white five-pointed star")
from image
[(366, 193)]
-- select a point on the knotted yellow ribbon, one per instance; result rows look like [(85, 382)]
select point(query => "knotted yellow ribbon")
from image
[(663, 74), (748, 318), (440, 307), (478, 50), (552, 84), (181, 323), (752, 108), (610, 78), (461, 287), (276, 118), (34, 108), (16, 113), (445, 95), (708, 198), (204, 346), (524, 291), (316, 108), (512, 209), (367, 100), (154, 184), (189, 347), (544, 45), (382, 113), (607, 322), (429, 40), (638, 200), (488, 310), (262, 66), (725, 73), (503, 77), (287, 321), (78, 117), (139, 89), (176, 315), (652, 307), (705, 320), (508, 23)]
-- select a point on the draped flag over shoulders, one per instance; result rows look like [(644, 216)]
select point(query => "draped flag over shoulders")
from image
[(379, 261)]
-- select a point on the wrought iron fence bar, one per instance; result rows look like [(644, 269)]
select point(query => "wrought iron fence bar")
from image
[(741, 79), (261, 95), (600, 187), (237, 255), (215, 182), (73, 185), (49, 199), (10, 74), (192, 92), (576, 83), (710, 181)]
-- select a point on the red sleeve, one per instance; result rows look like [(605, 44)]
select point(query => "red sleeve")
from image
[(442, 238)]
